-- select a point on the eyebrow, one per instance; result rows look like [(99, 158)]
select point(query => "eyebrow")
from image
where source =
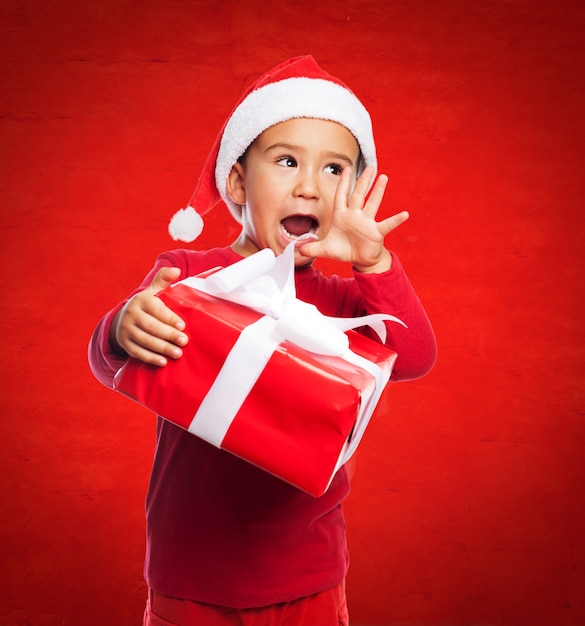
[(328, 154)]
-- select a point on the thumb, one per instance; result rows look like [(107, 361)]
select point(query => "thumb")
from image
[(311, 249), (164, 277)]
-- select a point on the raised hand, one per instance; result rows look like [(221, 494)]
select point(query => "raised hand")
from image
[(354, 235)]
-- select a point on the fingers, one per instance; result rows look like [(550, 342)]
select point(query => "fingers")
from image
[(151, 349), (389, 224), (164, 278), (341, 198), (356, 199), (376, 196), (145, 336), (345, 197), (354, 235), (149, 330), (311, 249)]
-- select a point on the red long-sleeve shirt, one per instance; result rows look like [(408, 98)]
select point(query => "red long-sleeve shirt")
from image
[(221, 531)]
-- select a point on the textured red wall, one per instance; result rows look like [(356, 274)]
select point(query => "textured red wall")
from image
[(468, 494)]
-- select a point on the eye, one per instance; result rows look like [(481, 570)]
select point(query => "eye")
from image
[(286, 161), (334, 168)]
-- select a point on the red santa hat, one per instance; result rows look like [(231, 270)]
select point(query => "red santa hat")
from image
[(296, 88)]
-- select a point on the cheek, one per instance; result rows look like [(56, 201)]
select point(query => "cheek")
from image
[(258, 220), (260, 194)]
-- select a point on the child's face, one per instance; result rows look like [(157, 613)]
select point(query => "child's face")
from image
[(287, 182)]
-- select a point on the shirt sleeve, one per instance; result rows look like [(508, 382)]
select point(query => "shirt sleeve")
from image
[(391, 292)]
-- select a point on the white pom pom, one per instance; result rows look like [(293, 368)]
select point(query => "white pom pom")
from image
[(186, 225)]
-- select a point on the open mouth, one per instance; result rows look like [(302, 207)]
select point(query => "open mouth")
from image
[(300, 227)]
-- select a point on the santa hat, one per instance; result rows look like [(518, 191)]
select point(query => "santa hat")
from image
[(296, 88)]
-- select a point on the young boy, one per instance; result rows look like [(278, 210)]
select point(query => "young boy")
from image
[(226, 542)]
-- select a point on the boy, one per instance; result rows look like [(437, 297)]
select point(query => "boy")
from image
[(226, 542)]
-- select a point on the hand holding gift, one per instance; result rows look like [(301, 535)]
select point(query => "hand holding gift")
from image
[(148, 330)]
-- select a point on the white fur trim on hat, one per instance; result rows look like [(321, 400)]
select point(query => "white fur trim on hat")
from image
[(284, 100)]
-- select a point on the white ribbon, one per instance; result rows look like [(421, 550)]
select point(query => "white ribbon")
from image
[(265, 283)]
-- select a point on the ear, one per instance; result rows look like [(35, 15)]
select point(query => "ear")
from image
[(235, 184)]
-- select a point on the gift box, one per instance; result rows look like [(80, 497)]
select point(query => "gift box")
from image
[(278, 385)]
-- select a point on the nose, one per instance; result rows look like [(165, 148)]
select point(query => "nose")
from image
[(306, 184)]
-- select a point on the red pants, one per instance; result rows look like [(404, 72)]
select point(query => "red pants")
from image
[(328, 608)]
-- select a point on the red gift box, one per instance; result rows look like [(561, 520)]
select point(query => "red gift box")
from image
[(298, 419)]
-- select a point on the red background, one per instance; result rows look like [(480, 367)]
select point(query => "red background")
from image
[(467, 506)]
